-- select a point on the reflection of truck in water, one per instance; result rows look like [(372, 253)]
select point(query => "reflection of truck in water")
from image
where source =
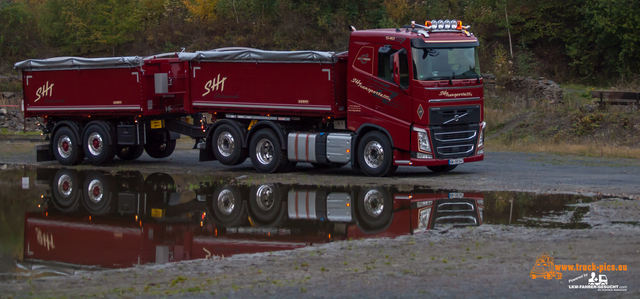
[(545, 268), (112, 221)]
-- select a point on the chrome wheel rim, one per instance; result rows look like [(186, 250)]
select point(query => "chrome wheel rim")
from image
[(226, 201), (95, 191), (65, 185), (373, 203), (226, 144), (64, 146), (95, 143), (264, 151), (373, 154), (264, 197)]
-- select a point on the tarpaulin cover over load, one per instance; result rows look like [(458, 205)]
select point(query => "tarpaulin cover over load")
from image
[(255, 55), (79, 62)]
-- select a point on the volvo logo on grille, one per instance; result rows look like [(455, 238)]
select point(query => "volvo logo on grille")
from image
[(456, 118)]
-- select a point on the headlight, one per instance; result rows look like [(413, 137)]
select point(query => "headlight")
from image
[(423, 141), (481, 138), (423, 218)]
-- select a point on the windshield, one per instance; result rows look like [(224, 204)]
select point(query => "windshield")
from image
[(445, 63)]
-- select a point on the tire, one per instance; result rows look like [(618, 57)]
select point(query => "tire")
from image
[(129, 152), (442, 168), (98, 145), (66, 190), (375, 155), (265, 202), (266, 152), (227, 205), (66, 146), (97, 193), (375, 207), (227, 145), (160, 150)]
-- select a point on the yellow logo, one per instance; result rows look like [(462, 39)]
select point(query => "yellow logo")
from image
[(545, 268), (213, 85), (45, 90)]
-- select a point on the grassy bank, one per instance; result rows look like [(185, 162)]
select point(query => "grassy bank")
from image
[(577, 125)]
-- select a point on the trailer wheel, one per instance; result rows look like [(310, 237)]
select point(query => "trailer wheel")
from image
[(442, 168), (375, 207), (129, 152), (227, 145), (97, 193), (160, 150), (66, 190), (266, 153), (98, 145), (66, 147), (375, 155)]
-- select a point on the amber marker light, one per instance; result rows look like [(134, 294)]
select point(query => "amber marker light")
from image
[(348, 204), (459, 27), (427, 23)]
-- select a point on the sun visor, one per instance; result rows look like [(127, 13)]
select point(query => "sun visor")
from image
[(421, 44)]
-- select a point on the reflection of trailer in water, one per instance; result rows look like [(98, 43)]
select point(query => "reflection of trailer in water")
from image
[(111, 221)]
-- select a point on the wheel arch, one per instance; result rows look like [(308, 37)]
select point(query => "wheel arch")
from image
[(234, 124), (74, 126), (282, 135), (366, 128)]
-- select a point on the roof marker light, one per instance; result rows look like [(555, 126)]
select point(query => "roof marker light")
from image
[(453, 24), (447, 24), (427, 24), (434, 24), (440, 24), (459, 25)]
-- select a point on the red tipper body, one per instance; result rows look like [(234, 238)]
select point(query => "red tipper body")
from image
[(410, 96)]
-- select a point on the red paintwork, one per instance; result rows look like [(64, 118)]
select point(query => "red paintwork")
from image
[(344, 89)]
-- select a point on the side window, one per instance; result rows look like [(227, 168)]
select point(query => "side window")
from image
[(385, 63), (386, 68)]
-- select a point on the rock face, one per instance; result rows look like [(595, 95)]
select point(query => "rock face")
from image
[(13, 121), (537, 88)]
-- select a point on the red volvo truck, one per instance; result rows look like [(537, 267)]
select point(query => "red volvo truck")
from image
[(398, 97)]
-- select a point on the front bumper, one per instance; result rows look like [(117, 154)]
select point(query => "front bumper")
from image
[(405, 159)]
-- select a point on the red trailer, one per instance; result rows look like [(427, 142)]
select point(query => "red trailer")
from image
[(410, 96)]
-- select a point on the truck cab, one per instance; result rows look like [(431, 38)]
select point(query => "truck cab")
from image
[(421, 86)]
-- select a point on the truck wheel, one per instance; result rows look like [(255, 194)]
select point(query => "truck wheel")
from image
[(227, 205), (375, 155), (129, 152), (160, 150), (442, 168), (266, 153), (265, 202), (66, 147), (375, 207), (66, 190), (227, 145), (98, 146), (97, 193)]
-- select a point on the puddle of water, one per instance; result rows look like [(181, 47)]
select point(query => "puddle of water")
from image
[(70, 221)]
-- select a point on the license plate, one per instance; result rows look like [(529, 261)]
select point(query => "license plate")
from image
[(456, 195), (456, 161)]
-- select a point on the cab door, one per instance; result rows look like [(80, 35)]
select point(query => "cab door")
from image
[(392, 102)]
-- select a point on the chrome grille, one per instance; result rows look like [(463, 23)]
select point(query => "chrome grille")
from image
[(456, 136), (455, 149)]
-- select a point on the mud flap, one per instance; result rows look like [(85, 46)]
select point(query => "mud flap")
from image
[(44, 153)]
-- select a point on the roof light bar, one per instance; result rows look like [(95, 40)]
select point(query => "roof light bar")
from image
[(442, 25)]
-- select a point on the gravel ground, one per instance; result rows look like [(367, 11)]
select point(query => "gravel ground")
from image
[(486, 261)]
